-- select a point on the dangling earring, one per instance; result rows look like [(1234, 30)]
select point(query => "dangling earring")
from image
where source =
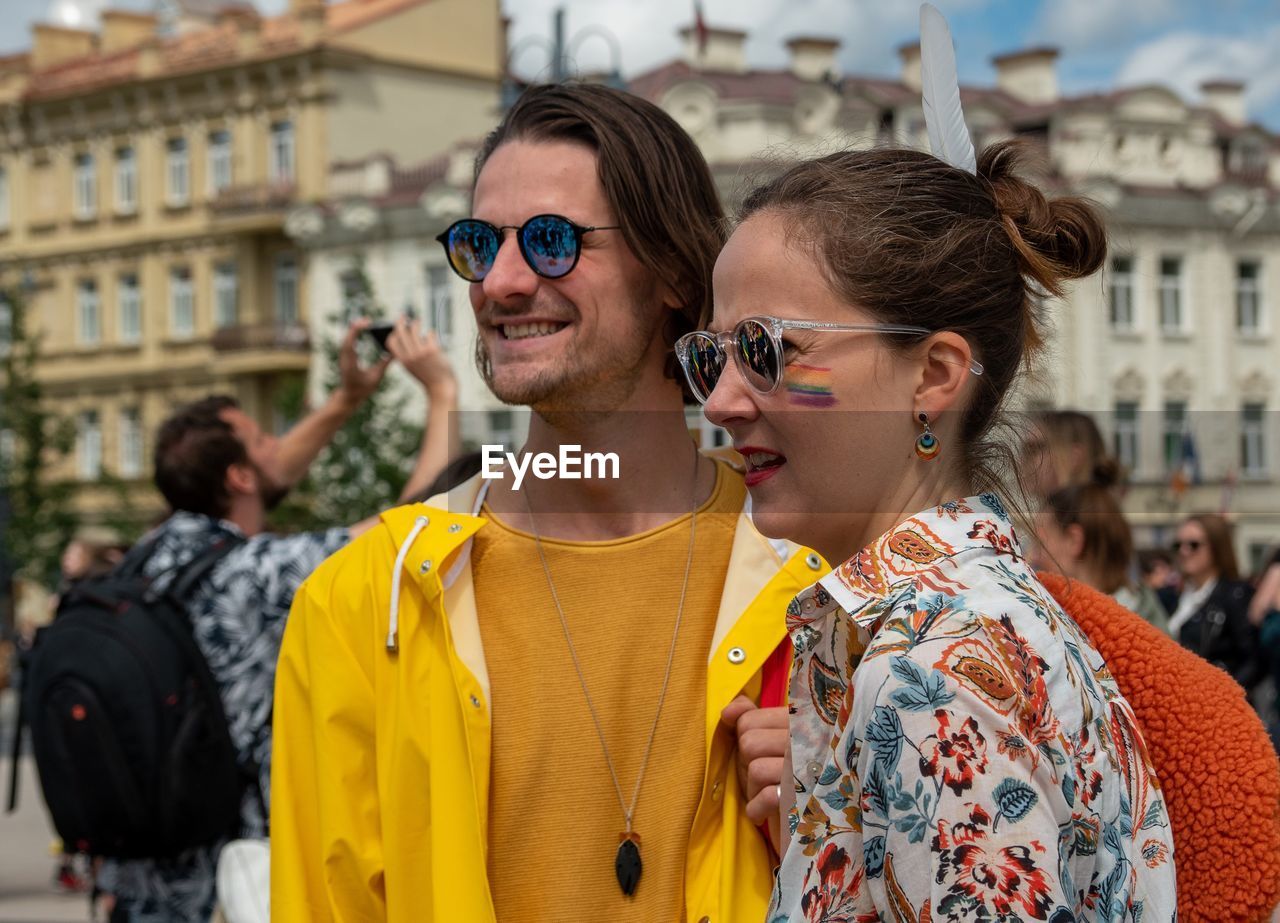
[(927, 446)]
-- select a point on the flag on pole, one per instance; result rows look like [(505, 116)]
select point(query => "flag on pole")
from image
[(700, 27)]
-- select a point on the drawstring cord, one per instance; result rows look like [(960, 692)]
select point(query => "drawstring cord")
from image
[(419, 524)]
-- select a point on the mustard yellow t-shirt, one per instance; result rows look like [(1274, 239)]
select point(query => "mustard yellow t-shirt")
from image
[(554, 816)]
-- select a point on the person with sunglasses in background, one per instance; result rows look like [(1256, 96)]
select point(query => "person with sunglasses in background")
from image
[(562, 702), (958, 749), (1212, 616)]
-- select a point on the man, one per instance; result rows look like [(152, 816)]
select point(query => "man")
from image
[(524, 705), (221, 475)]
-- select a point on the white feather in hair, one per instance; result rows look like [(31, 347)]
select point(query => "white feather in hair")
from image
[(940, 85)]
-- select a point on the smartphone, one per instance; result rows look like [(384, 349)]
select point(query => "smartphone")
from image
[(379, 332)]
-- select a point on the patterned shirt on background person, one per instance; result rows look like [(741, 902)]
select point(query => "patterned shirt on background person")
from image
[(961, 751), (238, 615)]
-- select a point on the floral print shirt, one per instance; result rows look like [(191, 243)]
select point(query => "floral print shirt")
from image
[(960, 750)]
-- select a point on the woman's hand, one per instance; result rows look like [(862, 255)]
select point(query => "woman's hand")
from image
[(762, 747)]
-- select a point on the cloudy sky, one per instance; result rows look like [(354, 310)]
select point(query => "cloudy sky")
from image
[(1104, 43)]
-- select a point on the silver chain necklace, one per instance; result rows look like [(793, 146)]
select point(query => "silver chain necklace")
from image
[(627, 865)]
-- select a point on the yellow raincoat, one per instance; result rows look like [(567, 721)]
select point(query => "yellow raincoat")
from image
[(380, 772)]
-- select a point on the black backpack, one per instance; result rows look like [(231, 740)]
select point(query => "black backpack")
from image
[(128, 730)]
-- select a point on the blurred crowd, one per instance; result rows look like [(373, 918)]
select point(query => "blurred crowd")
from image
[(1195, 590)]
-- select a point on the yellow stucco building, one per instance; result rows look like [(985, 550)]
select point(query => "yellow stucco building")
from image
[(146, 170)]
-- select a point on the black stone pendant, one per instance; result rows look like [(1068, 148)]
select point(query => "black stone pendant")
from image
[(627, 865)]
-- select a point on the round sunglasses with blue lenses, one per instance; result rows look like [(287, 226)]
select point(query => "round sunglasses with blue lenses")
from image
[(550, 244)]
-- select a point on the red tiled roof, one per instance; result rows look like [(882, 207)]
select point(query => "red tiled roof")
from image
[(762, 85), (781, 87), (83, 73), (205, 48)]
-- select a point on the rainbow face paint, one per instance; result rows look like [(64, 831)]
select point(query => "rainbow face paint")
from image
[(809, 385)]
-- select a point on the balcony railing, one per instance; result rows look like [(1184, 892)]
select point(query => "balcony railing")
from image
[(289, 337), (1246, 175), (256, 197)]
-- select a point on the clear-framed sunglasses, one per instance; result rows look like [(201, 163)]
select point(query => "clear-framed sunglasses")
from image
[(757, 349)]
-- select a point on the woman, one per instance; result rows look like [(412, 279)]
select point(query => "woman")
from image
[(1212, 617), (1083, 534), (958, 748), (1065, 448)]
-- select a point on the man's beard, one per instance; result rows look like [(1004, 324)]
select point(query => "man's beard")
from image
[(604, 381), (274, 496), (272, 493)]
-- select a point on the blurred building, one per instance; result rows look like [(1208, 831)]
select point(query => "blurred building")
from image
[(147, 169), (1176, 346)]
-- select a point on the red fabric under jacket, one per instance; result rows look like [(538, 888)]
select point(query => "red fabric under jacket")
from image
[(1215, 762)]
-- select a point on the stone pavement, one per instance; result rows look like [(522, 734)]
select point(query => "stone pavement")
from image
[(27, 894)]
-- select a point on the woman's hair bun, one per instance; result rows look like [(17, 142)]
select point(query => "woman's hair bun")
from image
[(1056, 239), (1107, 471)]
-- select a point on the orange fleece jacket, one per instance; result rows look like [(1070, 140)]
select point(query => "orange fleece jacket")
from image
[(1214, 760)]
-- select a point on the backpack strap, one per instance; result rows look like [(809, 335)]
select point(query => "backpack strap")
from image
[(135, 558), (183, 632), (195, 570), (15, 751), (15, 746)]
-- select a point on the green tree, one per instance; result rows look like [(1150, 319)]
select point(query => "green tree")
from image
[(365, 467), (122, 517), (33, 439)]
